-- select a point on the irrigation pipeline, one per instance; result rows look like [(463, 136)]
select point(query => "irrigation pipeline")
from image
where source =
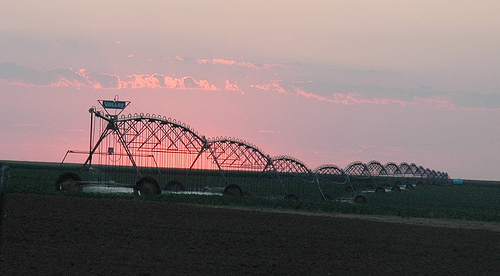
[(152, 141)]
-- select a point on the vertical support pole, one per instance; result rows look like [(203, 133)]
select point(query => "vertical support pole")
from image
[(91, 136), (3, 197)]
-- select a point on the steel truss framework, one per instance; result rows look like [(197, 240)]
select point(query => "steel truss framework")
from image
[(376, 169), (328, 177), (330, 173), (393, 169), (152, 141), (231, 154), (405, 170), (358, 170)]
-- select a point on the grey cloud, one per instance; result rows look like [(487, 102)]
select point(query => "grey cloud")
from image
[(467, 99), (105, 80), (11, 72), (476, 100), (14, 73), (326, 89), (161, 79), (67, 74)]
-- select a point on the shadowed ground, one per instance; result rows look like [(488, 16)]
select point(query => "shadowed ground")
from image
[(63, 235)]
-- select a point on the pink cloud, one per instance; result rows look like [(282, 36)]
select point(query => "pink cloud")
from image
[(99, 81), (205, 85), (16, 75), (274, 87), (440, 101), (231, 86), (188, 82), (83, 78), (355, 98), (312, 95), (162, 81), (140, 81), (233, 62), (62, 82)]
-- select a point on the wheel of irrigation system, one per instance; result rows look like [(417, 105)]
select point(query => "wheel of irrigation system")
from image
[(233, 190), (396, 188), (68, 181), (291, 197), (147, 186), (359, 199), (409, 187), (380, 190)]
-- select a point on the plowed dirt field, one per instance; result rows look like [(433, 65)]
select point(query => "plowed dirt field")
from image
[(66, 235)]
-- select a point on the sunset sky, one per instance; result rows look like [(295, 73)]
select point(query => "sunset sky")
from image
[(327, 82)]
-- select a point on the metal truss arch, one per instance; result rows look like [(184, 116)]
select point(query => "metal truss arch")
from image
[(376, 169), (330, 173), (295, 177), (430, 174), (358, 169), (145, 137), (405, 169), (235, 154), (332, 180), (393, 169), (415, 170), (433, 174), (157, 134), (423, 172), (290, 165)]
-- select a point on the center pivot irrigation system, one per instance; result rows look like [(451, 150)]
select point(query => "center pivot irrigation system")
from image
[(152, 155)]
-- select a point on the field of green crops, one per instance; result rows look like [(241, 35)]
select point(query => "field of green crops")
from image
[(474, 200)]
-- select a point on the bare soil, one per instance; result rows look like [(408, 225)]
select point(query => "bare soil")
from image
[(67, 235)]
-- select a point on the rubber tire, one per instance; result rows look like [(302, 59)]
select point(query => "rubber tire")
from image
[(232, 190), (396, 189), (291, 197), (68, 181), (147, 186), (380, 190), (359, 199), (409, 187)]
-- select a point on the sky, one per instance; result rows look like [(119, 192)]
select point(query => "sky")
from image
[(326, 82)]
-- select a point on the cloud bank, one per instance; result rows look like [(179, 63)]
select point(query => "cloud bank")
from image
[(320, 90), (67, 77)]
